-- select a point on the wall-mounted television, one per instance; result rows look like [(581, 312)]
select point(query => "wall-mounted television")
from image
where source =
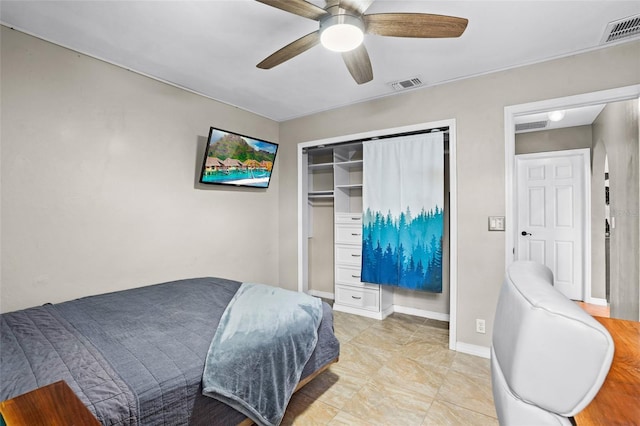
[(238, 160)]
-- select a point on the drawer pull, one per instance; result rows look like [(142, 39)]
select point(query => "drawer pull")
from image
[(357, 298), (355, 234), (355, 255), (355, 218), (355, 276)]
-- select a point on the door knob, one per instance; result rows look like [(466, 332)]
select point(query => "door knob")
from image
[(525, 233)]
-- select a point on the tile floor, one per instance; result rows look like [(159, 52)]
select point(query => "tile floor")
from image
[(396, 372)]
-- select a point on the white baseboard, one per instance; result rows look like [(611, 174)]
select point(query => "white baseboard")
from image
[(421, 313), (322, 294), (597, 301), (476, 350)]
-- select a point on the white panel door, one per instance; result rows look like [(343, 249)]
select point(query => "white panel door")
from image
[(551, 206)]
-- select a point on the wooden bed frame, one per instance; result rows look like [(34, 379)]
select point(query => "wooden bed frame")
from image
[(310, 377)]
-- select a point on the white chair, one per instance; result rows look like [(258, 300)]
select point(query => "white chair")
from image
[(549, 358)]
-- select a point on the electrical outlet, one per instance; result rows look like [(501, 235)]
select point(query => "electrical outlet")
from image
[(480, 328)]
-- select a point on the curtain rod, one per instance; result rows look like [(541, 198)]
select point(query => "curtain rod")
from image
[(445, 130)]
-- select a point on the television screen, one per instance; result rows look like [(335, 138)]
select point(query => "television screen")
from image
[(234, 159)]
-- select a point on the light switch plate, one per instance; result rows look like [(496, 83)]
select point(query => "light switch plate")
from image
[(496, 223)]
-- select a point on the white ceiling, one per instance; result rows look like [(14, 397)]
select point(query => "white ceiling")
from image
[(212, 47)]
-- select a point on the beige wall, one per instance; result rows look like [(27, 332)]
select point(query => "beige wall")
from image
[(477, 104), (99, 182), (321, 266), (616, 129), (554, 140)]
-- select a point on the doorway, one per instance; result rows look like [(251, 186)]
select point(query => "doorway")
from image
[(511, 113), (553, 203)]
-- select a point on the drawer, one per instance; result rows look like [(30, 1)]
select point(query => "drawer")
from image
[(358, 298), (350, 275), (349, 255), (348, 234), (349, 218)]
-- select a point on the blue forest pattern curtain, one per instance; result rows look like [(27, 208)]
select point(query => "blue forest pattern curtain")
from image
[(403, 199)]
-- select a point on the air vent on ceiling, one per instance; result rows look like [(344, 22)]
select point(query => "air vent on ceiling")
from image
[(621, 29), (406, 84), (531, 126)]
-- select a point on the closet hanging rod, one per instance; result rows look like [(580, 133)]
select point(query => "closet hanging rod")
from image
[(445, 130)]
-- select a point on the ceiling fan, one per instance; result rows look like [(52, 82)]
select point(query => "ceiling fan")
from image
[(343, 23)]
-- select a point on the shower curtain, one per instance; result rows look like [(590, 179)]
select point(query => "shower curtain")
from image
[(403, 199)]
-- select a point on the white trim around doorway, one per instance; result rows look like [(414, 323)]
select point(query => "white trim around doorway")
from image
[(510, 113)]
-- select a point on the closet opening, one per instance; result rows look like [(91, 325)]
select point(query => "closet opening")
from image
[(330, 207)]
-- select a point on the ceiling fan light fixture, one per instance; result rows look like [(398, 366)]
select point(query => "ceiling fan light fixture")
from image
[(556, 115), (341, 33)]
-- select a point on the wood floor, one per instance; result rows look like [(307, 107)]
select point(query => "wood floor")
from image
[(595, 310)]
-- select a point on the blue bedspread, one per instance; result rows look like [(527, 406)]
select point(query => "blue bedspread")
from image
[(38, 347), (263, 341), (134, 357)]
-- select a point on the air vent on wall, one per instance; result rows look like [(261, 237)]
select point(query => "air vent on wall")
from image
[(531, 126), (406, 84), (621, 29)]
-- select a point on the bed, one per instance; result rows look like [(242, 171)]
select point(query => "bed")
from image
[(134, 357)]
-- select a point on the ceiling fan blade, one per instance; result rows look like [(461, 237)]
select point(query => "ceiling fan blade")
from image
[(359, 65), (291, 50), (419, 25), (359, 6), (297, 7)]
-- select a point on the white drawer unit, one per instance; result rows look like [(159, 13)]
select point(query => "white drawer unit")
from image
[(348, 234), (350, 275), (348, 218), (362, 298), (349, 255), (351, 294)]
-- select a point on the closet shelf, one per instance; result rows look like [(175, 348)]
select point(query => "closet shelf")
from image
[(350, 186), (354, 164), (320, 194), (321, 166)]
